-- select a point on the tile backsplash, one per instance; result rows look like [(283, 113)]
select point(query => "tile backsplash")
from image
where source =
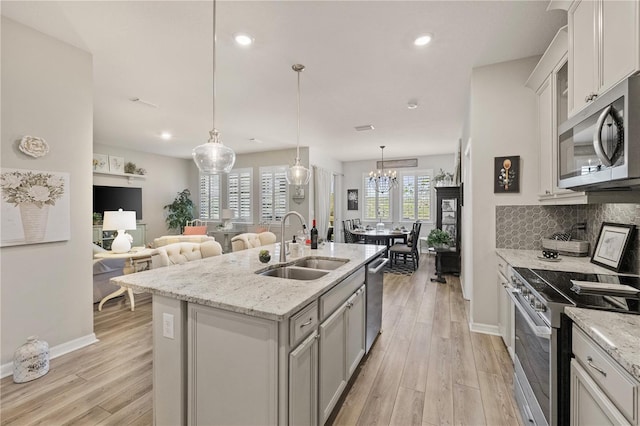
[(523, 227)]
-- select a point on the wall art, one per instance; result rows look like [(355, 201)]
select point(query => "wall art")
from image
[(352, 199), (612, 244), (116, 164), (33, 146), (506, 174), (100, 163), (35, 208)]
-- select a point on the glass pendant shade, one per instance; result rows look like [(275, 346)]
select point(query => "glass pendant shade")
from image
[(298, 174), (213, 157)]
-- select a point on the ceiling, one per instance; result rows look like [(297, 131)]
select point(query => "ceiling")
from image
[(361, 68)]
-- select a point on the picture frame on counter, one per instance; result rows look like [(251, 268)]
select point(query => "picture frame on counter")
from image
[(613, 242)]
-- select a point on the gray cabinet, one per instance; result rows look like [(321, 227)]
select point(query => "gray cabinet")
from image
[(303, 382)]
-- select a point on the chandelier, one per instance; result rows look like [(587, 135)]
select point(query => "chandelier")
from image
[(214, 157), (384, 180), (298, 174)]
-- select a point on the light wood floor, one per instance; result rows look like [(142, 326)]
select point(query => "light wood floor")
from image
[(426, 368)]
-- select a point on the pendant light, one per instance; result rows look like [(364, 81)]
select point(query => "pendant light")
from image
[(384, 181), (214, 157), (298, 174)]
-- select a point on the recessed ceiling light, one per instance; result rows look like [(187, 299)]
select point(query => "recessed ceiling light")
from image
[(165, 135), (243, 39), (365, 127), (412, 105), (423, 40)]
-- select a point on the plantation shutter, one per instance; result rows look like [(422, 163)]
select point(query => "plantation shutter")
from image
[(209, 197), (274, 193), (239, 193)]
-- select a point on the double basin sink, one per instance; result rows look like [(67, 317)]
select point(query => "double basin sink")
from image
[(306, 269)]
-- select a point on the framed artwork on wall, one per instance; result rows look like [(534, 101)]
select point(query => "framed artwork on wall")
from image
[(116, 164), (612, 244), (36, 207), (100, 163), (352, 199), (506, 174)]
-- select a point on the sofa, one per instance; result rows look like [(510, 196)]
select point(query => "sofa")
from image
[(172, 239), (250, 240), (178, 253)]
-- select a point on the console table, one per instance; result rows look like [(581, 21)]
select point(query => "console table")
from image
[(139, 260)]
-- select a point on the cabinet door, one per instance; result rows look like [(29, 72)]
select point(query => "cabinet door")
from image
[(589, 405), (303, 383), (545, 136), (356, 330), (583, 57), (333, 361), (619, 51)]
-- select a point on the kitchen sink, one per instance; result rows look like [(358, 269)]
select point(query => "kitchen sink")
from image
[(320, 263), (294, 273)]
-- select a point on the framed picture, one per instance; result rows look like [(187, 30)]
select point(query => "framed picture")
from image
[(612, 244), (506, 174), (100, 163), (35, 207), (352, 199), (116, 164)]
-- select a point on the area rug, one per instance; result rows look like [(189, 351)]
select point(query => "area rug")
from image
[(400, 268)]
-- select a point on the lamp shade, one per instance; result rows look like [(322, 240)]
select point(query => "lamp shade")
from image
[(228, 214), (119, 221)]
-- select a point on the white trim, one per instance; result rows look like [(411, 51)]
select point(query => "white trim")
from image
[(56, 351), (484, 328)]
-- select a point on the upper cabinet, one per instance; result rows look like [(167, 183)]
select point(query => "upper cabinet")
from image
[(604, 47)]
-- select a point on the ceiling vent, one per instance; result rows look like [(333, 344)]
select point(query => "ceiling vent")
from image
[(365, 127)]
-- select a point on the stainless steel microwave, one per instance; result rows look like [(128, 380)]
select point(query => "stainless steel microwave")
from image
[(599, 148)]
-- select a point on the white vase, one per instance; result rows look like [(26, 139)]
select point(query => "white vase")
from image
[(34, 221), (31, 360)]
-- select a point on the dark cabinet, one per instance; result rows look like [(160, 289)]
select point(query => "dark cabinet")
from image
[(448, 210)]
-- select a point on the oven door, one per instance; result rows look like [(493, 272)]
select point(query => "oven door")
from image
[(533, 348)]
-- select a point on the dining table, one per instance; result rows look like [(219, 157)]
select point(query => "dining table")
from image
[(381, 236)]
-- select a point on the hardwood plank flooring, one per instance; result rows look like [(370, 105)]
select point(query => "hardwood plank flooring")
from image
[(426, 368)]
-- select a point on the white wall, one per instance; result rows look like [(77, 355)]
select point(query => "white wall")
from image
[(353, 175), (46, 288), (502, 123), (166, 176)]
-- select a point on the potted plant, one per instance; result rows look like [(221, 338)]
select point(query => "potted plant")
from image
[(97, 218), (438, 238), (443, 178), (180, 211)]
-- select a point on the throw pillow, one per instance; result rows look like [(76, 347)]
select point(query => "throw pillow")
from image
[(195, 230)]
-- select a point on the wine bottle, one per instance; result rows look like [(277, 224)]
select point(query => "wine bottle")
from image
[(314, 236)]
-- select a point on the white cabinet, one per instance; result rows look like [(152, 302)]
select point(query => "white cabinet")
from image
[(303, 382), (506, 309), (602, 392), (342, 340), (604, 47)]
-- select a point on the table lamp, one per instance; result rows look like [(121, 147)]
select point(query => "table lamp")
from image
[(120, 221), (227, 215)]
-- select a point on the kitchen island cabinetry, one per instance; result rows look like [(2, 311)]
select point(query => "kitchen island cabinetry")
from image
[(604, 47), (506, 309), (234, 347)]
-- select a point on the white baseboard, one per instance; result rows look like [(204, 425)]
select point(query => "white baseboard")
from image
[(484, 328), (56, 351)]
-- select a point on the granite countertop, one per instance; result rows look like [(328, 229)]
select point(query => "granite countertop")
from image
[(618, 334), (529, 259), (229, 281)]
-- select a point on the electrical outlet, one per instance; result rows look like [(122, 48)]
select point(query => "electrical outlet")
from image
[(167, 325)]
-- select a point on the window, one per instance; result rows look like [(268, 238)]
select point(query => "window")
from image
[(274, 193), (209, 197), (415, 196), (239, 193), (376, 205)]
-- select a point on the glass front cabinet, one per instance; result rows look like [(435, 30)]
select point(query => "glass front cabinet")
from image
[(448, 209)]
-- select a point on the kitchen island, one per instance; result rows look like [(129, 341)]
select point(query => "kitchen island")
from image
[(235, 347)]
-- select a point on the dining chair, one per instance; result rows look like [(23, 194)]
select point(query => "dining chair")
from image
[(357, 223), (406, 250)]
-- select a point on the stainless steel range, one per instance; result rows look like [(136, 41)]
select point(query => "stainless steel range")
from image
[(543, 336)]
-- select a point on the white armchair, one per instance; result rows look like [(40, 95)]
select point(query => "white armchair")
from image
[(172, 239), (250, 240), (177, 253)]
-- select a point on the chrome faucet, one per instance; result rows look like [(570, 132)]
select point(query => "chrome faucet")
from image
[(283, 249)]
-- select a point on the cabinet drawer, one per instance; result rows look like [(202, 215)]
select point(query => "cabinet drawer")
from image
[(302, 323), (614, 381), (330, 301), (503, 266)]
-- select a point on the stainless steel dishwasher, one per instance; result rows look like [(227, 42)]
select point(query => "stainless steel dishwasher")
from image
[(374, 277)]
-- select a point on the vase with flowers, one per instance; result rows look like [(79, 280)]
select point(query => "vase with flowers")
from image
[(33, 193)]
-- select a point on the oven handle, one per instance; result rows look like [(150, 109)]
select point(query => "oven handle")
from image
[(541, 331)]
